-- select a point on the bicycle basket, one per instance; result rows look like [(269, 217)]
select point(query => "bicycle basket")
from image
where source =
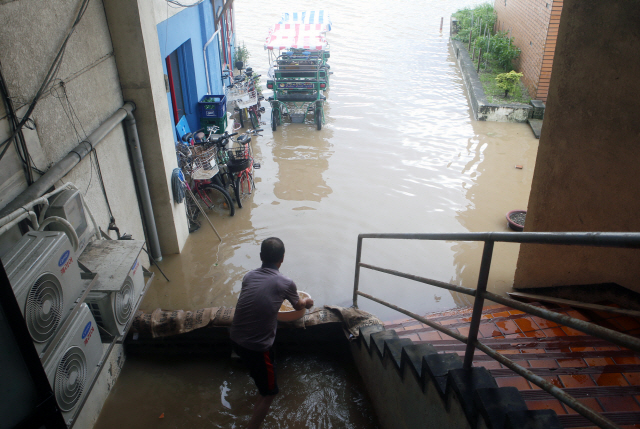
[(248, 99), (204, 163), (239, 159)]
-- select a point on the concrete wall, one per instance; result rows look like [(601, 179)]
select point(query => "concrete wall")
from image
[(133, 33), (533, 24), (31, 33), (586, 176), (483, 110)]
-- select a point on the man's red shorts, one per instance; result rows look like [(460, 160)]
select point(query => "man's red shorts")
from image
[(262, 368)]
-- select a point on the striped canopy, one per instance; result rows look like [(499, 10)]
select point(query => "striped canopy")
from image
[(307, 17), (300, 30)]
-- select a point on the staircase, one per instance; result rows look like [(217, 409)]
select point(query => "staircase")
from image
[(602, 376)]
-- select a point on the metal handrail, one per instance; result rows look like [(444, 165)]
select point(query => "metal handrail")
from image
[(600, 239)]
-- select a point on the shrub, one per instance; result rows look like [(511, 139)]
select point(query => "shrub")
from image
[(508, 81), (498, 47), (475, 21), (241, 54), (503, 50)]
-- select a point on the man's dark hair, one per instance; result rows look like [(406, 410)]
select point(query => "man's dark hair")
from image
[(272, 250)]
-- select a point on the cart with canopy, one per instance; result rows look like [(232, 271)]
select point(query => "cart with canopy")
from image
[(298, 72)]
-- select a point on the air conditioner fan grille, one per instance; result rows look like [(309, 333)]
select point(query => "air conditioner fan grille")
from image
[(71, 376), (43, 309), (124, 302)]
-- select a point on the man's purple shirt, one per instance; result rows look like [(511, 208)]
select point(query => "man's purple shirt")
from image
[(254, 322)]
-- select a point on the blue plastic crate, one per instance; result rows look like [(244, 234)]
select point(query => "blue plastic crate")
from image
[(215, 106)]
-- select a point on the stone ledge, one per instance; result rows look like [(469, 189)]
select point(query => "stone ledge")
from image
[(482, 110)]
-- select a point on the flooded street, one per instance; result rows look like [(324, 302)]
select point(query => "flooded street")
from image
[(399, 153)]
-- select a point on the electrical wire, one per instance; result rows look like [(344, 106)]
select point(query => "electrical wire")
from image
[(21, 148), (73, 117), (66, 79), (178, 4), (154, 262), (51, 73), (70, 113)]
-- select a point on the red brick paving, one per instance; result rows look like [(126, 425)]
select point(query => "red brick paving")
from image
[(547, 404), (515, 325)]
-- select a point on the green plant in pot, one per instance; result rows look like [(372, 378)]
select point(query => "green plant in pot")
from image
[(240, 56)]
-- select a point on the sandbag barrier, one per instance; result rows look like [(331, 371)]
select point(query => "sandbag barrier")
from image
[(166, 323)]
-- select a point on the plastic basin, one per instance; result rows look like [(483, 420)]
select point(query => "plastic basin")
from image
[(291, 315), (512, 223)]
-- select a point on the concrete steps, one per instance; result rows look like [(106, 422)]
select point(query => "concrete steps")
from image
[(413, 385), (603, 376)]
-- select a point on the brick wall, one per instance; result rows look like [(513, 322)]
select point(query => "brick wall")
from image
[(534, 26)]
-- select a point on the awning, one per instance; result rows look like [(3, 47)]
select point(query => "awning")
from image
[(300, 36), (307, 17)]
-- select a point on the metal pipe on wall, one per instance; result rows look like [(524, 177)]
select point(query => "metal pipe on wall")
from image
[(206, 67), (66, 164), (143, 186), (77, 154)]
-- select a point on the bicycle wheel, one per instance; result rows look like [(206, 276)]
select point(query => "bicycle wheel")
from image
[(318, 118), (228, 183), (236, 190), (246, 182), (216, 199), (193, 212), (254, 119), (243, 185), (241, 114), (274, 123)]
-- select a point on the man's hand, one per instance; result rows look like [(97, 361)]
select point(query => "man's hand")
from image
[(304, 303)]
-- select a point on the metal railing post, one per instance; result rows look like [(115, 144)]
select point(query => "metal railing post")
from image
[(356, 279), (483, 277)]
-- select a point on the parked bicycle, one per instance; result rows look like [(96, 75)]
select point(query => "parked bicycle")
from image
[(243, 91), (237, 164), (198, 161)]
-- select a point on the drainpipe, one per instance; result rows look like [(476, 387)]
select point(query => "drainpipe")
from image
[(77, 154), (143, 186), (204, 53)]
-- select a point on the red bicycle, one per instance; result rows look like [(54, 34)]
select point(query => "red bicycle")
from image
[(238, 165)]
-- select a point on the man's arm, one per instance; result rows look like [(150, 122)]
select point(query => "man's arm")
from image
[(303, 303)]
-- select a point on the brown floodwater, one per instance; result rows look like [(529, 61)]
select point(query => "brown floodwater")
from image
[(215, 392), (399, 153)]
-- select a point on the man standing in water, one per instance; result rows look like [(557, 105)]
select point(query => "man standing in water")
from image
[(253, 329)]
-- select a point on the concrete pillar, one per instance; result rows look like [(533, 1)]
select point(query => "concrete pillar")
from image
[(587, 175), (137, 51)]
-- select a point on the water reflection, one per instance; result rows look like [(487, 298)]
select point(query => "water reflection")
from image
[(302, 154), (494, 186)]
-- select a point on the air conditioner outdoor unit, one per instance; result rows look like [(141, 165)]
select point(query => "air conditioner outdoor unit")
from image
[(120, 281), (68, 205), (45, 278), (74, 361), (112, 310)]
